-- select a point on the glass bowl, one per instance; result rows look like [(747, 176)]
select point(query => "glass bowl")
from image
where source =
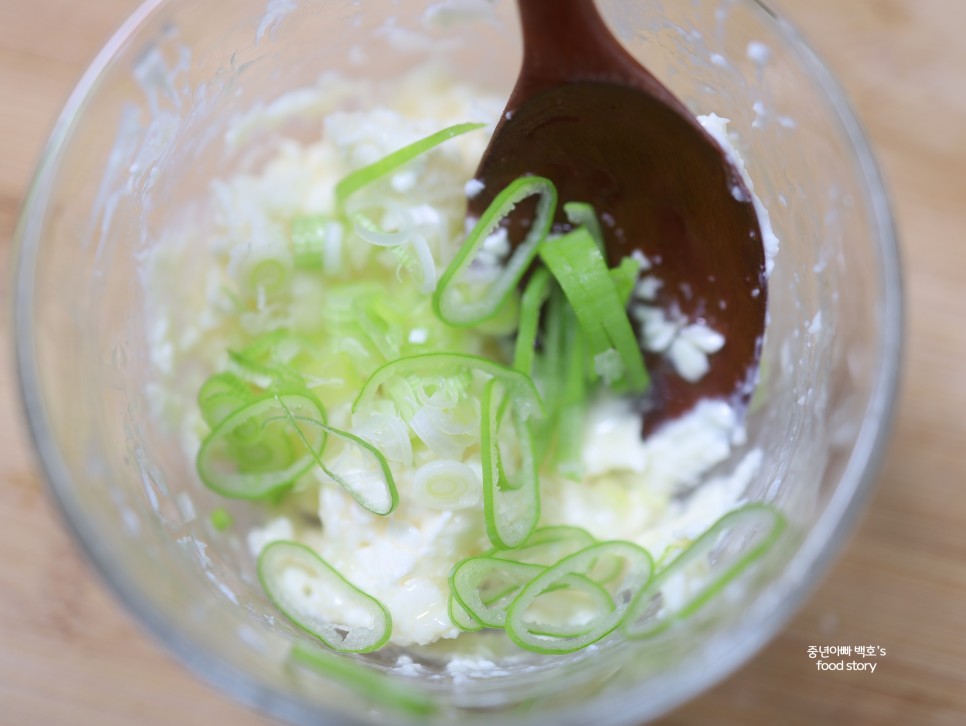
[(187, 92)]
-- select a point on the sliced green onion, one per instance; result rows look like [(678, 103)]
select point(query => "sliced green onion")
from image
[(363, 471), (373, 172), (511, 487), (266, 269), (485, 586), (535, 295), (625, 278), (461, 302), (581, 214), (221, 395), (320, 601), (221, 520), (374, 234), (684, 586), (367, 682), (551, 366), (532, 635), (267, 360), (547, 545), (383, 337), (461, 617), (251, 454), (578, 265), (446, 485), (315, 239), (572, 411), (524, 393), (572, 608)]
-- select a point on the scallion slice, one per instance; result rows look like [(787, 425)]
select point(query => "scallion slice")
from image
[(365, 474), (525, 396), (257, 450), (485, 586), (315, 239), (388, 164), (368, 683), (579, 267), (534, 296), (446, 485), (684, 586), (581, 214), (221, 519), (320, 601), (547, 545), (572, 406), (536, 635), (460, 300), (511, 486), (625, 278), (221, 395), (461, 617), (268, 360), (360, 469)]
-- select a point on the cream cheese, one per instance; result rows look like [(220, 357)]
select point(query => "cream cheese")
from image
[(650, 492)]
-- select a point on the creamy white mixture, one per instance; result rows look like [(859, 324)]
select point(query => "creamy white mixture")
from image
[(632, 489)]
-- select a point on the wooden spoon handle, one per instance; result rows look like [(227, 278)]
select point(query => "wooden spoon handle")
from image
[(567, 41)]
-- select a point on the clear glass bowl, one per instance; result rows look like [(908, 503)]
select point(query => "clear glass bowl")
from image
[(139, 142)]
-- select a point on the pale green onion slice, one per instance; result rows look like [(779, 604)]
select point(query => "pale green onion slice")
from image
[(524, 393), (258, 450), (572, 608), (461, 617), (271, 360), (461, 301), (625, 278), (573, 395), (547, 545), (550, 367), (370, 684), (526, 630), (579, 267), (388, 164), (221, 395), (485, 586), (511, 487), (386, 339), (320, 601), (534, 296), (313, 238), (699, 573), (360, 469), (221, 519), (363, 472), (372, 233), (582, 214), (446, 485), (267, 270)]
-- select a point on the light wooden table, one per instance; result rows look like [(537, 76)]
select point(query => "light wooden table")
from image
[(68, 654)]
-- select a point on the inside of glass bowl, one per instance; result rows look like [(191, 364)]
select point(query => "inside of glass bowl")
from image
[(202, 91)]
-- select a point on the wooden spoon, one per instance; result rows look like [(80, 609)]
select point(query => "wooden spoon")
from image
[(588, 117)]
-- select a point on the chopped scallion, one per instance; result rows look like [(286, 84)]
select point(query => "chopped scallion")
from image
[(725, 550), (320, 601), (373, 172), (578, 265), (472, 289)]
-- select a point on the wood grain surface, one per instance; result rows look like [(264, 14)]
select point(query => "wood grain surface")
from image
[(70, 655)]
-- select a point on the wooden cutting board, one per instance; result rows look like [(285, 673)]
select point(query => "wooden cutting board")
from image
[(69, 654)]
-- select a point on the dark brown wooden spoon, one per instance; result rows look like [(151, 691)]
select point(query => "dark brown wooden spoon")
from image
[(588, 117)]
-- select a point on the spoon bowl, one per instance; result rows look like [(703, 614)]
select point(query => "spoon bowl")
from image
[(587, 116)]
